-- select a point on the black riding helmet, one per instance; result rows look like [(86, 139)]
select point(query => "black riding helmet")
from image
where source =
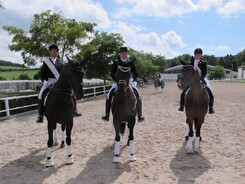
[(197, 51)]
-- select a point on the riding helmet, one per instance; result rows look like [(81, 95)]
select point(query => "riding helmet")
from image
[(198, 51)]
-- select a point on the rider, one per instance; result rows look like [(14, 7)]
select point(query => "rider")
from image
[(202, 69), (50, 72), (124, 60)]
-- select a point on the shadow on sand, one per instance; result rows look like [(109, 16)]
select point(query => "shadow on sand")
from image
[(100, 169), (27, 169), (188, 167)]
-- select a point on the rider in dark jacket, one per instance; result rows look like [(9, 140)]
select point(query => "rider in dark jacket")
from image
[(123, 60), (202, 69)]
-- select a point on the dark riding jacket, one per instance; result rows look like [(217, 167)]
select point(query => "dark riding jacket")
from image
[(203, 67), (47, 73), (129, 63)]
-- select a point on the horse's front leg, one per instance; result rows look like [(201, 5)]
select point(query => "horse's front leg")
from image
[(55, 136), (117, 142), (189, 144), (49, 161), (131, 140), (63, 127), (69, 126), (198, 125)]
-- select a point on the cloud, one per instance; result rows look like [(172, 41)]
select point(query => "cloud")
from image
[(150, 41), (6, 54), (231, 8), (156, 8), (81, 10), (207, 4)]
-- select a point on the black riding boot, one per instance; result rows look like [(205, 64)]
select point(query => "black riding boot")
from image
[(211, 100), (107, 110), (139, 110), (182, 101), (40, 111)]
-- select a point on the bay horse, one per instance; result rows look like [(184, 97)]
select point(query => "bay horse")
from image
[(196, 104), (60, 105), (124, 110)]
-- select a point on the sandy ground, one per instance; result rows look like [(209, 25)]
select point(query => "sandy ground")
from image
[(160, 148)]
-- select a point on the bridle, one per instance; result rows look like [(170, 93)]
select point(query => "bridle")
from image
[(125, 70)]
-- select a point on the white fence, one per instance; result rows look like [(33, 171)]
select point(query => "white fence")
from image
[(95, 92)]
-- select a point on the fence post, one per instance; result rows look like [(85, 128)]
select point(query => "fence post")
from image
[(104, 89), (94, 92), (6, 101)]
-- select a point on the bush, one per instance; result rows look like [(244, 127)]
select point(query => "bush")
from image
[(2, 78), (24, 77), (37, 76)]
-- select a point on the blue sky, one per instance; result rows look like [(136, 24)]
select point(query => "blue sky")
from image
[(164, 27)]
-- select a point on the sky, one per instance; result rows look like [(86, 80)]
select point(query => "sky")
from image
[(162, 27)]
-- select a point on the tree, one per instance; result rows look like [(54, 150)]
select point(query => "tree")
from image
[(48, 28), (217, 72), (99, 54)]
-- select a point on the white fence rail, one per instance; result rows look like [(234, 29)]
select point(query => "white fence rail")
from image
[(95, 92)]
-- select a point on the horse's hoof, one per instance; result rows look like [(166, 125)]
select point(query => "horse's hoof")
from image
[(62, 145), (132, 158), (116, 159), (69, 159), (49, 162), (196, 150), (200, 138)]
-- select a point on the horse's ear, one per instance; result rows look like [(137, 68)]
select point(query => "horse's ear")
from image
[(69, 60)]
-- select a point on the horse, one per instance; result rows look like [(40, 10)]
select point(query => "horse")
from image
[(124, 111), (158, 83), (60, 105), (196, 105)]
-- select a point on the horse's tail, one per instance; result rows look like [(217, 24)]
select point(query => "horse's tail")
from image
[(122, 128)]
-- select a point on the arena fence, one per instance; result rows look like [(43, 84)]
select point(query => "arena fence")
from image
[(88, 92)]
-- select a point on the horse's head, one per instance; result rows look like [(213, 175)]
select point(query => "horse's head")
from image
[(189, 75), (75, 77), (122, 76)]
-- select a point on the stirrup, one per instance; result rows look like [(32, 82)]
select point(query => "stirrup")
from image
[(141, 118), (105, 118), (39, 119)]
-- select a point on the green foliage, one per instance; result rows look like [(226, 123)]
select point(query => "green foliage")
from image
[(217, 72), (2, 78), (48, 28), (99, 53), (14, 75), (24, 77)]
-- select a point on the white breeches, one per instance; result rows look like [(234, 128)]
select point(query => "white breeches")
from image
[(207, 83), (45, 85), (133, 84)]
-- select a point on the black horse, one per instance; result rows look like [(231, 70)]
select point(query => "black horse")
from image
[(196, 104), (124, 110), (60, 105)]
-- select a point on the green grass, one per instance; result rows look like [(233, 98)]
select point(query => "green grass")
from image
[(11, 75), (4, 95)]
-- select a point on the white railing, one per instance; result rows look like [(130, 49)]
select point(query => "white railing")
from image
[(92, 94)]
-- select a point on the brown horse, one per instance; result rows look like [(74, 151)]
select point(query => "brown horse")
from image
[(124, 111), (196, 104)]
